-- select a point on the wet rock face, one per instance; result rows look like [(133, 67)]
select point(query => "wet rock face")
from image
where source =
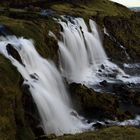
[(125, 31), (13, 52), (128, 95), (96, 105), (4, 31), (31, 113), (114, 50), (117, 22), (12, 120), (129, 98)]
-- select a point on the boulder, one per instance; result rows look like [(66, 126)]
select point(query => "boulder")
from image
[(14, 53)]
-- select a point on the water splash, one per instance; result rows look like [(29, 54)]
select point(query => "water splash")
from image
[(130, 122), (46, 86)]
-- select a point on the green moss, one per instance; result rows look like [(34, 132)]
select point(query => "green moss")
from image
[(7, 131), (112, 133), (38, 31), (11, 110), (126, 32), (91, 8)]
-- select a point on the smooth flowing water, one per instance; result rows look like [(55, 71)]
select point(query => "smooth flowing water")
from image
[(46, 86), (82, 57)]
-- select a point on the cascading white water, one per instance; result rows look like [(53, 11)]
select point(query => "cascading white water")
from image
[(73, 54), (81, 51), (46, 86)]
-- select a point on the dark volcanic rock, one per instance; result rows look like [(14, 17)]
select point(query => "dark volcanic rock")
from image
[(13, 52), (4, 31), (104, 83), (125, 32), (98, 125), (31, 113), (129, 98), (48, 13)]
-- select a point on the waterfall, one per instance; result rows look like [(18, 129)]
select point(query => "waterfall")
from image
[(82, 57), (46, 87)]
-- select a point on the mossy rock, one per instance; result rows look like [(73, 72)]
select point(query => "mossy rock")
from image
[(93, 104), (12, 121), (129, 95), (126, 32), (37, 30), (115, 52)]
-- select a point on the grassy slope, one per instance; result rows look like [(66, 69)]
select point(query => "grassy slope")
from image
[(102, 7), (36, 29), (112, 133), (87, 9)]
